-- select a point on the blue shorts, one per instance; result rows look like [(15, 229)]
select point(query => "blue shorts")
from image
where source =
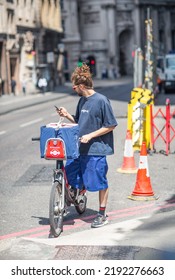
[(89, 171)]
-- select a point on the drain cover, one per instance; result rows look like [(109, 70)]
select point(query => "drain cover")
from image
[(95, 252)]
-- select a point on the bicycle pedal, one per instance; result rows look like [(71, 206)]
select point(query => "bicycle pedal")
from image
[(65, 213), (80, 198)]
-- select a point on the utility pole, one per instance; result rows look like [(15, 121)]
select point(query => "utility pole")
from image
[(148, 80)]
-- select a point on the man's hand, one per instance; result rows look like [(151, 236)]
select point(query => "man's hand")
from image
[(85, 138), (103, 130), (62, 112)]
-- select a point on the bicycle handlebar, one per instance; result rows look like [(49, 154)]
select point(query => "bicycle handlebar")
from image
[(35, 138)]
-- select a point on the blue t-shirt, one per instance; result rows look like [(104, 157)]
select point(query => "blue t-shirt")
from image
[(93, 113)]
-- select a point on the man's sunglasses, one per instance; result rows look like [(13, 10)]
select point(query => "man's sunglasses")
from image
[(74, 87)]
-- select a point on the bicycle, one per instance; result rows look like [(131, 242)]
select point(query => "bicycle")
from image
[(62, 195)]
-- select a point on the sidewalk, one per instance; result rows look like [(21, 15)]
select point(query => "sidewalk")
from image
[(9, 103), (142, 238)]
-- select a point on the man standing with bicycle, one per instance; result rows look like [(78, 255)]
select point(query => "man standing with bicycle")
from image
[(96, 121)]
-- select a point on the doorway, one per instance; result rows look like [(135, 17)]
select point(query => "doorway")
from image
[(125, 53)]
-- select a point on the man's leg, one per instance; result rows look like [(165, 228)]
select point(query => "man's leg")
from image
[(101, 218), (94, 170), (103, 197)]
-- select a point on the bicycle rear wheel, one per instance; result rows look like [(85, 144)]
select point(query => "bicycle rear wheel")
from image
[(80, 204), (56, 209)]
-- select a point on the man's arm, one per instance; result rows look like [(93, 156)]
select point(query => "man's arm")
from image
[(64, 113), (104, 130)]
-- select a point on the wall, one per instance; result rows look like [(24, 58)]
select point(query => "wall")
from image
[(111, 30)]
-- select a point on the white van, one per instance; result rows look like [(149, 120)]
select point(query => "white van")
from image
[(166, 71)]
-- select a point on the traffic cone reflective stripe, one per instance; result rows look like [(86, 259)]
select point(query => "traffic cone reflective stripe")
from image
[(128, 165), (143, 188), (143, 164), (128, 151)]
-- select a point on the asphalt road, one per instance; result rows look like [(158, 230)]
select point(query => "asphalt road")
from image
[(24, 175), (26, 181)]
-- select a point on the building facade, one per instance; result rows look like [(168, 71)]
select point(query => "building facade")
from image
[(30, 34), (106, 32)]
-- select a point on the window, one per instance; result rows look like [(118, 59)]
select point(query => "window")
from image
[(173, 18), (93, 17), (62, 4), (161, 36), (173, 39), (170, 63), (10, 18)]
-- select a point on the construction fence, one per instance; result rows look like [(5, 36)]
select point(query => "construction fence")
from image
[(147, 125)]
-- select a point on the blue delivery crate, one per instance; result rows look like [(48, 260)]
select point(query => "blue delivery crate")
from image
[(69, 134), (45, 134)]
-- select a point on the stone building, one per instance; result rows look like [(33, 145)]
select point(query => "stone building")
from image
[(30, 34), (106, 32)]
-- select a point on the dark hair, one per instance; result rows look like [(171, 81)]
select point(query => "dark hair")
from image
[(82, 75)]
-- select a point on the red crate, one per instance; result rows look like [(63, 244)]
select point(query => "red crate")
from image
[(55, 149)]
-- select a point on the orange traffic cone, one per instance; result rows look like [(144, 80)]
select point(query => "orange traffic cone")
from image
[(128, 165), (143, 189)]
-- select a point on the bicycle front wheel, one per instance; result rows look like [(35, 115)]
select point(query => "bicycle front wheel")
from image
[(56, 209)]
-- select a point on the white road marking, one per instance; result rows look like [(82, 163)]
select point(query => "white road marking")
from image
[(2, 132), (31, 122)]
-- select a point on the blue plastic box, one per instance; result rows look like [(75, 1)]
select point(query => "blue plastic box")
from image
[(70, 135)]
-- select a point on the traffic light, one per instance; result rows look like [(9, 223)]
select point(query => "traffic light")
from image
[(92, 64), (79, 63), (133, 53)]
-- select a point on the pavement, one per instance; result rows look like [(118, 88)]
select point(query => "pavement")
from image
[(10, 102), (141, 237)]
